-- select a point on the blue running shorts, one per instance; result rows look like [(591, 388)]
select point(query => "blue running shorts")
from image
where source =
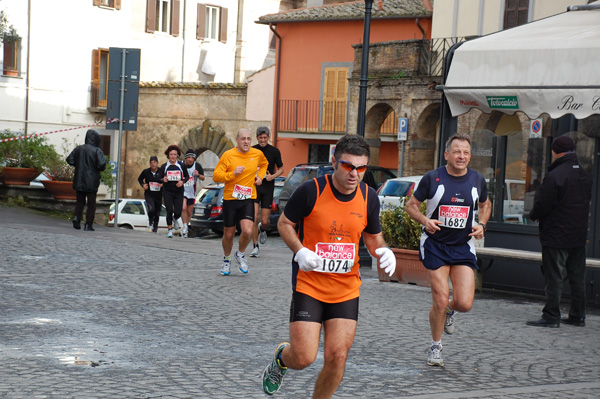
[(435, 254)]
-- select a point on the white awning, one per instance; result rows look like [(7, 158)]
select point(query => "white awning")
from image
[(548, 66)]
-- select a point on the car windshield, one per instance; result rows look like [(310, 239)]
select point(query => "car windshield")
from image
[(209, 195), (396, 188), (296, 176)]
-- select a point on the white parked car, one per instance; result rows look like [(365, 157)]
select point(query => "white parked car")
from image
[(394, 191), (133, 214)]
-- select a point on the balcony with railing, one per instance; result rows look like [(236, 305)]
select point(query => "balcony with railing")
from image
[(311, 116)]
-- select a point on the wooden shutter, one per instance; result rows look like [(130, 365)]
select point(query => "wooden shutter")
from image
[(335, 97), (175, 5), (150, 16), (95, 77), (201, 22), (223, 25), (515, 13), (97, 2), (118, 4)]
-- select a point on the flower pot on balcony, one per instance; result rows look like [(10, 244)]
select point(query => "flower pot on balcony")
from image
[(409, 269), (18, 176), (61, 190)]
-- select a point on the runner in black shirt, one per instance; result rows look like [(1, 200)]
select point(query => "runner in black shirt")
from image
[(151, 182), (173, 174), (264, 192)]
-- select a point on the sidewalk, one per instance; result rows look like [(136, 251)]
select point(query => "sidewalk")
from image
[(125, 314)]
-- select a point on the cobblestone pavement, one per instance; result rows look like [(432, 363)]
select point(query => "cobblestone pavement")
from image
[(124, 314)]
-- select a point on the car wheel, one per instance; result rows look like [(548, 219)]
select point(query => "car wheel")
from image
[(217, 232), (126, 226)]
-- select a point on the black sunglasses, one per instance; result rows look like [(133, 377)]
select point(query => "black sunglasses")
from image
[(349, 166)]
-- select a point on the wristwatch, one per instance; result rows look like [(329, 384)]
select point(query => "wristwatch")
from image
[(484, 226)]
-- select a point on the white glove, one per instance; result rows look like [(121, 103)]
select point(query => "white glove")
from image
[(308, 260), (387, 260)]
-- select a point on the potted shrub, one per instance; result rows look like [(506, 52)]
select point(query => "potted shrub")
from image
[(61, 175), (403, 235), (23, 160)]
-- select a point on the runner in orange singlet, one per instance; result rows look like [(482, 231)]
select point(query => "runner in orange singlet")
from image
[(322, 224)]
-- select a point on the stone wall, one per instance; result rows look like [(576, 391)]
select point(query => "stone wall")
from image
[(202, 116), (394, 84)]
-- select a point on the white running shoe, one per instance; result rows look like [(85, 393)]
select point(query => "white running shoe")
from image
[(241, 260), (255, 252), (170, 233), (434, 358), (449, 327), (225, 270), (150, 228)]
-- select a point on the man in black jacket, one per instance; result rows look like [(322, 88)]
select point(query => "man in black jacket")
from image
[(88, 161), (562, 206)]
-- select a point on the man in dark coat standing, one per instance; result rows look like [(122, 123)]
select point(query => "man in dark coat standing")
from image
[(88, 161), (562, 205)]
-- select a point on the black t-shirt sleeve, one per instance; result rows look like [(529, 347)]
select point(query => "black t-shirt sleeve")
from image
[(373, 204), (141, 177), (278, 161), (199, 168), (302, 202)]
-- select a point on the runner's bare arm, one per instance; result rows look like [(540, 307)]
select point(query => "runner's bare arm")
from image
[(413, 209), (287, 231), (373, 241)]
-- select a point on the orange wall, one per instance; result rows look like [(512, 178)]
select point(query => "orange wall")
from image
[(305, 46)]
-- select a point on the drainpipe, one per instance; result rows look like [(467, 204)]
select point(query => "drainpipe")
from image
[(183, 45), (28, 67), (237, 74), (276, 105)]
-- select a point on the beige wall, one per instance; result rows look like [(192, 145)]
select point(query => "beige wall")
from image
[(459, 18), (259, 106)]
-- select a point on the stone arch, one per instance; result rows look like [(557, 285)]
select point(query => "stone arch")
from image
[(374, 119), (420, 154), (209, 143)]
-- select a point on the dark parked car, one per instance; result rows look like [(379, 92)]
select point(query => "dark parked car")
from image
[(375, 176), (208, 210)]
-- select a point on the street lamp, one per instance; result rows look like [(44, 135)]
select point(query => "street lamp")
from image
[(362, 96)]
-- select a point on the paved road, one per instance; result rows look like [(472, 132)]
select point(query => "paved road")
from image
[(124, 314)]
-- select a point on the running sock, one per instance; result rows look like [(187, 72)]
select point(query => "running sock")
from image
[(227, 258), (448, 310), (255, 245), (438, 343), (280, 360)]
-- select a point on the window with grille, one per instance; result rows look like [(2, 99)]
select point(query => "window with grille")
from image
[(318, 153)]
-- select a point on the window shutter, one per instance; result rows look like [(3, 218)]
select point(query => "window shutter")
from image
[(175, 5), (223, 25), (201, 22), (95, 77), (97, 2), (95, 65), (335, 97), (118, 4), (150, 16)]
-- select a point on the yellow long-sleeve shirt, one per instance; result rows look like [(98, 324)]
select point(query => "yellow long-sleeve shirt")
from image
[(240, 186)]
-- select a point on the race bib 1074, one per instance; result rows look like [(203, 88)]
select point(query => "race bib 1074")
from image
[(454, 217), (337, 257)]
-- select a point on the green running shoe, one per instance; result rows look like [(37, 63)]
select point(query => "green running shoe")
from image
[(273, 374)]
